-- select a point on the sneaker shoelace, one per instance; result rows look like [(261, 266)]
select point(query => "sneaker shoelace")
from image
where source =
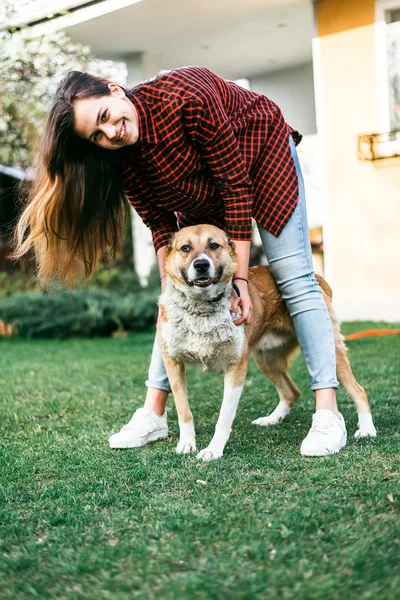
[(322, 424), (134, 422)]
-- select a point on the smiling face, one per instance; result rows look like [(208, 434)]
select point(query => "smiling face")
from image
[(110, 122), (200, 257)]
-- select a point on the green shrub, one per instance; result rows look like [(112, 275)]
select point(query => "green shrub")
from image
[(123, 280), (13, 283), (109, 278), (89, 312)]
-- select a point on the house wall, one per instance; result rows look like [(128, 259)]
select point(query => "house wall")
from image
[(362, 232), (293, 90)]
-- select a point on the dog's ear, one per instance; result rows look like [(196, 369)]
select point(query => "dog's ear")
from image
[(171, 242), (231, 244)]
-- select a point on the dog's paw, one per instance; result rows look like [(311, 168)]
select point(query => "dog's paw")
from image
[(369, 431), (209, 453), (269, 420), (186, 446), (276, 417), (366, 427)]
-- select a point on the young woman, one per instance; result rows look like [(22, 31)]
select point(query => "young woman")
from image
[(183, 148)]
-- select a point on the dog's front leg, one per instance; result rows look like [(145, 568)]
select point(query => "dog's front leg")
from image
[(177, 377), (233, 385)]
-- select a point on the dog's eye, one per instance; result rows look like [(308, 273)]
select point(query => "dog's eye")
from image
[(185, 248), (214, 246)]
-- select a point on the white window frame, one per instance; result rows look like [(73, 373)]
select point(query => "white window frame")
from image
[(382, 7)]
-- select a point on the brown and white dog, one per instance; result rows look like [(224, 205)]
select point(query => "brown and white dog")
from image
[(196, 327)]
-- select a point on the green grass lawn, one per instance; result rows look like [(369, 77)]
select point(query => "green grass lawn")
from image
[(79, 520)]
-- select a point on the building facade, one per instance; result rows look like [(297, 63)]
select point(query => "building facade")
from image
[(355, 90)]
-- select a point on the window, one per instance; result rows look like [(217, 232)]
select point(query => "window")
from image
[(393, 66)]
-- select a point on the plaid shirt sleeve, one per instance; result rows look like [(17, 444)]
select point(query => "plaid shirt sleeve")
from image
[(161, 222), (210, 129)]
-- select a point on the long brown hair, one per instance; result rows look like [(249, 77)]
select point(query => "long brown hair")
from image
[(76, 207)]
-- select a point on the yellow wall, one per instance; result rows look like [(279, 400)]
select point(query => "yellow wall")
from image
[(363, 218), (335, 16)]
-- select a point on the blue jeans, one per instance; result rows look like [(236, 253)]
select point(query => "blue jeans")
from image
[(289, 256)]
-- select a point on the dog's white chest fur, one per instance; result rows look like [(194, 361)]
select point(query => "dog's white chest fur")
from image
[(201, 333)]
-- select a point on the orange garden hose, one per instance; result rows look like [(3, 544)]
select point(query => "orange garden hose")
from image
[(371, 332)]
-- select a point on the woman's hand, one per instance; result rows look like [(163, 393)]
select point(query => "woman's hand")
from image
[(242, 250), (243, 301)]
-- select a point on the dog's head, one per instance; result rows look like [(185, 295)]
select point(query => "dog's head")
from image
[(200, 259)]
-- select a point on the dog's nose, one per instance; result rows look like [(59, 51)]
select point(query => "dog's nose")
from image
[(201, 265)]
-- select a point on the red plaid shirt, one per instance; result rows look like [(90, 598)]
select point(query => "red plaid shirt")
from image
[(208, 151)]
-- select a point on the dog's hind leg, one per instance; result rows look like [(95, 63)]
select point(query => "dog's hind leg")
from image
[(177, 377), (346, 378), (356, 392), (233, 385), (274, 365)]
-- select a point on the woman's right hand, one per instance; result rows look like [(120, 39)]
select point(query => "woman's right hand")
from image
[(244, 301)]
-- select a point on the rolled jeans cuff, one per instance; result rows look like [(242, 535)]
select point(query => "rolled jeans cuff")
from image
[(158, 386), (322, 386)]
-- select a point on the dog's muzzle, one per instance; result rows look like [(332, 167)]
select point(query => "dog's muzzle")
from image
[(201, 267), (200, 273)]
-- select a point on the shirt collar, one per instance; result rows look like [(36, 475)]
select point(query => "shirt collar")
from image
[(147, 127)]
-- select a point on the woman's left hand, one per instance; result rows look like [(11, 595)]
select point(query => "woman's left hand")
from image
[(244, 301)]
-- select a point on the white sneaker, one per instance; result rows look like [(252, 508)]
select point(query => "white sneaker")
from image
[(327, 434), (145, 426)]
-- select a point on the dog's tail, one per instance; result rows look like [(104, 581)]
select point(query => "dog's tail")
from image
[(325, 287)]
